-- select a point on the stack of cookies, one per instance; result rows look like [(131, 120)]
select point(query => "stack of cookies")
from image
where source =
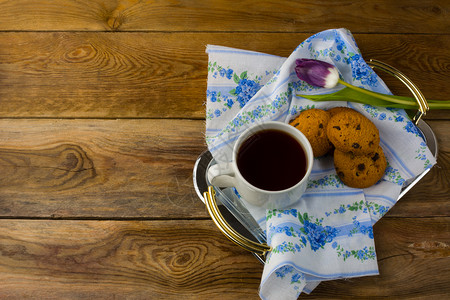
[(358, 158)]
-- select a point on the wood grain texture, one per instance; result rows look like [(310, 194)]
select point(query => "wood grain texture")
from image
[(99, 168), (161, 75), (137, 169), (403, 16), (102, 118), (133, 260), (193, 260)]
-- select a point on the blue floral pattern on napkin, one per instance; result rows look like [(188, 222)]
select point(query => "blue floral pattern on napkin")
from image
[(328, 234)]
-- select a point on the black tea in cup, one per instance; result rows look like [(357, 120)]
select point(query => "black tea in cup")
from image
[(272, 160)]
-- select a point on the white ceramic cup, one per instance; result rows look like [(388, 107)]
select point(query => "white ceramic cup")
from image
[(228, 174)]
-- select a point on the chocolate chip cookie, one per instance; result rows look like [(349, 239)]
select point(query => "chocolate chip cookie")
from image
[(350, 131), (360, 171), (313, 123), (333, 111)]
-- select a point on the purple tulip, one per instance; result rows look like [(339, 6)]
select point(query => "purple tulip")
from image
[(317, 73)]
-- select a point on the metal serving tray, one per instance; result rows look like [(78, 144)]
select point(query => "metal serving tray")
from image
[(238, 217)]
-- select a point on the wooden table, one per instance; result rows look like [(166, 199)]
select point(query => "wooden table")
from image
[(102, 118)]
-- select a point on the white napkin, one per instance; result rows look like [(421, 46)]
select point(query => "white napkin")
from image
[(328, 234)]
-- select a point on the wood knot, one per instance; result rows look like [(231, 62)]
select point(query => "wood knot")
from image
[(430, 249), (116, 18), (182, 260), (62, 167), (429, 245), (436, 10), (115, 21), (81, 54)]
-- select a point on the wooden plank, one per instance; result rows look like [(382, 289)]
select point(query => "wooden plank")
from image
[(193, 260), (411, 16), (106, 260), (137, 169), (162, 75), (99, 168)]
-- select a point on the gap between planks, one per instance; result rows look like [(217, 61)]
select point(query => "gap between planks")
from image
[(214, 32), (162, 219)]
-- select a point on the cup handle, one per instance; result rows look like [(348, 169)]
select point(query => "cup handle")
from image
[(222, 175)]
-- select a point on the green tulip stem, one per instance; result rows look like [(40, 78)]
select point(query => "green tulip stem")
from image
[(373, 94), (438, 105), (355, 94)]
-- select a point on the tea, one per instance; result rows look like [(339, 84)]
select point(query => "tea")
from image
[(272, 160)]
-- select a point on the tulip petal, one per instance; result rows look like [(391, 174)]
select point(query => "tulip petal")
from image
[(317, 73)]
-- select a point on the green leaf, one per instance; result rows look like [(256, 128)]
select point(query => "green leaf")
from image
[(301, 219), (233, 92), (305, 216), (244, 75), (236, 78)]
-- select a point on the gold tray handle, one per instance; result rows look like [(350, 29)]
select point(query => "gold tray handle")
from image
[(233, 235), (423, 105)]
